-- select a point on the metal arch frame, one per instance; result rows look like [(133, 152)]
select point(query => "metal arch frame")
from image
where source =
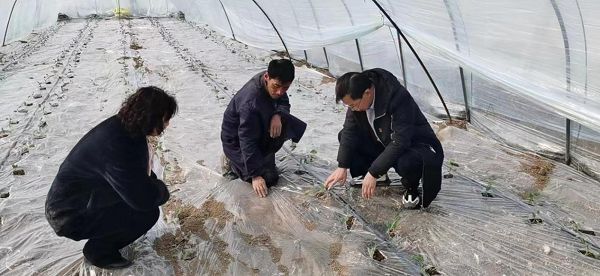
[(275, 28), (8, 23), (565, 37), (228, 22), (417, 56), (461, 70)]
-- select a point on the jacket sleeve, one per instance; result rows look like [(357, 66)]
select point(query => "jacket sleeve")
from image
[(126, 170), (249, 135), (348, 138), (283, 105), (403, 117)]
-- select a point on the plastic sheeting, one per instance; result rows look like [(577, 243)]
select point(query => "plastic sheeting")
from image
[(213, 226), (540, 52)]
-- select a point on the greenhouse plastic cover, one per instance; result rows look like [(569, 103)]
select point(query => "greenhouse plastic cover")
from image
[(68, 76)]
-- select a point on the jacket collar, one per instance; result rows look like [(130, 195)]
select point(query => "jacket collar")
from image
[(382, 98)]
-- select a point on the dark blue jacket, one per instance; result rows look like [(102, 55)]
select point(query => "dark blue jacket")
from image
[(246, 123), (107, 167)]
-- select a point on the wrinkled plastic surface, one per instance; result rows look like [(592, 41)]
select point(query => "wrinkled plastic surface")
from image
[(86, 68)]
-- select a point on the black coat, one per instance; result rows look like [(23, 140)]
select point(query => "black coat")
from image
[(107, 167), (399, 124), (246, 122)]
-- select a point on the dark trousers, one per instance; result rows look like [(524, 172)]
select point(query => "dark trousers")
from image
[(292, 129), (111, 229), (268, 169), (409, 165)]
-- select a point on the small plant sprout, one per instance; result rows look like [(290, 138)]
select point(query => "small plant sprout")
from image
[(419, 259), (531, 196), (426, 270), (371, 250), (312, 156), (391, 226), (487, 190), (452, 163)]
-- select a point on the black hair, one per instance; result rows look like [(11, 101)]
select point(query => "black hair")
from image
[(342, 86), (145, 110), (281, 69), (353, 84)]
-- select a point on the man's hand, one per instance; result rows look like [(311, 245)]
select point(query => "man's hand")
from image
[(337, 176), (368, 186), (275, 129), (260, 186)]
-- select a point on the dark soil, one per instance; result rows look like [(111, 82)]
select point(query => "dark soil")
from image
[(378, 256), (350, 222)]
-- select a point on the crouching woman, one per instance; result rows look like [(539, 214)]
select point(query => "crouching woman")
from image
[(105, 190)]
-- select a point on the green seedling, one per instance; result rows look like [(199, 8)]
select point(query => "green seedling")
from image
[(531, 197), (391, 226), (453, 164), (488, 189), (426, 270), (419, 259)]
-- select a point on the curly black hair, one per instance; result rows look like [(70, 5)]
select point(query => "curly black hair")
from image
[(146, 110)]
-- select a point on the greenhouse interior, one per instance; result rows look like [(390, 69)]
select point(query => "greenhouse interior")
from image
[(507, 86)]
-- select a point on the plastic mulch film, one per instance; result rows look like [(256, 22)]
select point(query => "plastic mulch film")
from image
[(585, 148)]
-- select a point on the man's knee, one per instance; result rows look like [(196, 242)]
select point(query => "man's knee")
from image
[(145, 220), (271, 177)]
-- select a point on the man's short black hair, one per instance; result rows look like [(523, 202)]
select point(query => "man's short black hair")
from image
[(353, 84), (281, 69), (342, 86)]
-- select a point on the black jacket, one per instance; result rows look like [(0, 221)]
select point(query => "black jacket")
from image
[(246, 123), (399, 124), (107, 167)]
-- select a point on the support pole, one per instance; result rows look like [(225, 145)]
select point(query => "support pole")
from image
[(326, 58), (568, 142), (8, 22), (402, 60), (362, 67), (228, 22), (417, 56), (464, 89), (278, 34), (565, 37)]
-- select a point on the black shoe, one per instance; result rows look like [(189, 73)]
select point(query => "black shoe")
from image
[(116, 263), (104, 257)]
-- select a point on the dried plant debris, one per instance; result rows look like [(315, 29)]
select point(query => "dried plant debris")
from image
[(539, 168), (462, 124), (334, 252), (265, 241), (182, 245)]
